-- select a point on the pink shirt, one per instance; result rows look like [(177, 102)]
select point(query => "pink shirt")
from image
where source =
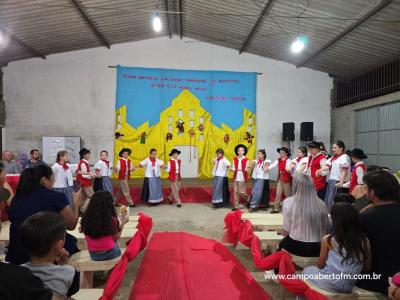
[(101, 244)]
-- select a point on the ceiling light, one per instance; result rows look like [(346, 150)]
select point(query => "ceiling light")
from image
[(157, 23), (1, 37), (299, 44)]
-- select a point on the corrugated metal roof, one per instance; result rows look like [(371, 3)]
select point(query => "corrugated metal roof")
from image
[(49, 26)]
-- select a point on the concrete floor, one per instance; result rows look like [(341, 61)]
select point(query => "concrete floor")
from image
[(197, 219)]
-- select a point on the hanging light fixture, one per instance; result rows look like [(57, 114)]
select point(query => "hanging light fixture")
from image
[(1, 37), (157, 23), (299, 44)]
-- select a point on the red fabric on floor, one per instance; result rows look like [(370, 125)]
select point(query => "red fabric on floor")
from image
[(12, 180), (136, 244), (237, 230), (179, 265)]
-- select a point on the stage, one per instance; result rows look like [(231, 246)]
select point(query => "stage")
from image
[(193, 190)]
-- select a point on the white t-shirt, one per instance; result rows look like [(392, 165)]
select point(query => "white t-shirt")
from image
[(239, 173), (258, 171), (149, 168), (62, 177), (303, 161), (220, 167), (337, 164), (103, 168)]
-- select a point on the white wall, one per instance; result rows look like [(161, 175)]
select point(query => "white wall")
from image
[(73, 94)]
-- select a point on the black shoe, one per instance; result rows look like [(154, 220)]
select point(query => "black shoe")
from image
[(117, 205), (274, 211), (234, 208), (214, 207), (132, 205), (179, 205), (170, 201)]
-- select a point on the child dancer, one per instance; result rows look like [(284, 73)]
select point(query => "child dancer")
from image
[(316, 161), (152, 189), (102, 234), (124, 169), (220, 193), (299, 164), (63, 181), (284, 177), (84, 177), (174, 170), (345, 251), (260, 175), (357, 156), (240, 175), (103, 169)]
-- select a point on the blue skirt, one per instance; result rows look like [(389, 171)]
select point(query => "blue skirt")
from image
[(67, 191), (220, 192), (152, 190), (257, 193), (331, 192)]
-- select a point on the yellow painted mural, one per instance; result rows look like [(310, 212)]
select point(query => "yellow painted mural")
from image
[(184, 123)]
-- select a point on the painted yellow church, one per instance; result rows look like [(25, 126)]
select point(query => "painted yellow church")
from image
[(184, 124)]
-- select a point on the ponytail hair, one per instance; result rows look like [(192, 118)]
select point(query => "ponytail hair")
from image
[(30, 179), (262, 151), (61, 154)]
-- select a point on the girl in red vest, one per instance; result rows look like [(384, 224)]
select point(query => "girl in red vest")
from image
[(284, 176), (84, 177), (316, 161), (124, 169), (174, 170), (240, 176), (356, 178)]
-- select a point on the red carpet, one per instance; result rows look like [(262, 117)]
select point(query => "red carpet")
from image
[(197, 194), (178, 265)]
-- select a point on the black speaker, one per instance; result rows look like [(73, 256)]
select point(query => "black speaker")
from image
[(307, 131), (288, 131)]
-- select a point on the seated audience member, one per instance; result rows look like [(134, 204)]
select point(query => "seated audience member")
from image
[(343, 198), (394, 288), (101, 227), (305, 219), (18, 283), (43, 237), (11, 166), (34, 194), (345, 251), (34, 160), (381, 224)]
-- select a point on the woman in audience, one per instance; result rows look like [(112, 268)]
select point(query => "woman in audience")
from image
[(305, 219), (339, 166), (345, 251), (34, 194), (101, 227)]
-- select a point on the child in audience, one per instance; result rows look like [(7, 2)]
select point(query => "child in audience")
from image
[(152, 189), (240, 167), (345, 251), (174, 176), (124, 169), (43, 236), (394, 288), (101, 227), (84, 177), (63, 181), (299, 164), (284, 178), (260, 175), (357, 174), (103, 169), (220, 193), (343, 198)]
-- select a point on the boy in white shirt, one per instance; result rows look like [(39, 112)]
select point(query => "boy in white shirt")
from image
[(152, 188), (240, 167), (174, 176)]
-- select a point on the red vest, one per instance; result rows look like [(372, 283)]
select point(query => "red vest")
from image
[(172, 170), (123, 166), (353, 179), (283, 174), (236, 164), (314, 164), (83, 181)]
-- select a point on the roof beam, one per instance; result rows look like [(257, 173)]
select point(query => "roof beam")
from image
[(22, 44), (264, 11), (180, 19), (168, 23), (346, 31), (93, 26)]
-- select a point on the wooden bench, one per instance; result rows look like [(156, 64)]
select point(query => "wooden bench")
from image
[(251, 216), (88, 294), (5, 233), (83, 263), (303, 262), (270, 238), (357, 293), (267, 224)]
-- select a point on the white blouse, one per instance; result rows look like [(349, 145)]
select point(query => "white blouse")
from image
[(63, 178), (102, 167), (221, 167), (302, 162), (337, 165), (258, 171), (148, 167)]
